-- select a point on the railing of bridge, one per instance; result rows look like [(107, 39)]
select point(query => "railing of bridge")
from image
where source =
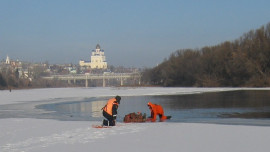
[(88, 75), (104, 77)]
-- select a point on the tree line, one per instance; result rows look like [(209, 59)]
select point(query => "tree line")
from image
[(244, 62), (11, 79)]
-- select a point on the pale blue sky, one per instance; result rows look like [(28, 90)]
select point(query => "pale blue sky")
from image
[(138, 33)]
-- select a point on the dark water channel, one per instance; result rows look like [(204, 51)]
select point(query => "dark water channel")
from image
[(231, 107)]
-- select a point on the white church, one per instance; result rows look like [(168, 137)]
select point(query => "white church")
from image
[(97, 60)]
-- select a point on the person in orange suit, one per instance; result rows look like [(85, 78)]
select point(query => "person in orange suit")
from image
[(110, 111), (156, 110)]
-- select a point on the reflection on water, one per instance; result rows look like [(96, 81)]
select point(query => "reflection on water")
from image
[(84, 109), (80, 110), (231, 104), (206, 107), (229, 99), (96, 107)]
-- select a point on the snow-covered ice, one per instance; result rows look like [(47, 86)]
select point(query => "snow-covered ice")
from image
[(18, 96), (46, 135)]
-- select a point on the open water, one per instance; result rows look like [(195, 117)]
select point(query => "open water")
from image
[(231, 107)]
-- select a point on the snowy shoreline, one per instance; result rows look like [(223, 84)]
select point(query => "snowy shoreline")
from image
[(31, 135), (29, 95)]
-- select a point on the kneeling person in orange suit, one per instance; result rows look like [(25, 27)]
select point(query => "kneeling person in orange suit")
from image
[(156, 110)]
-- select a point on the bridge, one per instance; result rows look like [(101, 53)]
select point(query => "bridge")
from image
[(105, 77)]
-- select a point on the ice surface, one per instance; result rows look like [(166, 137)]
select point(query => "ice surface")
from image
[(43, 135), (17, 96)]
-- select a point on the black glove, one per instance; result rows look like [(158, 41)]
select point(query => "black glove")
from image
[(114, 117)]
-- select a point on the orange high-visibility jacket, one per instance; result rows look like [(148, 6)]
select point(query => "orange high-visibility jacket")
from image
[(156, 110), (108, 107)]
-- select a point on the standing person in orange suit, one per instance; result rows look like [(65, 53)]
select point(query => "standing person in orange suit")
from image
[(110, 111), (156, 110)]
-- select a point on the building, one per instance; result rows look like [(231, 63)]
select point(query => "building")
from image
[(7, 60), (97, 60)]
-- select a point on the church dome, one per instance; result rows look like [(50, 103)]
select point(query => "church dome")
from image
[(98, 46)]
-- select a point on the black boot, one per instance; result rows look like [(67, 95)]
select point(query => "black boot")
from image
[(169, 117), (105, 122)]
